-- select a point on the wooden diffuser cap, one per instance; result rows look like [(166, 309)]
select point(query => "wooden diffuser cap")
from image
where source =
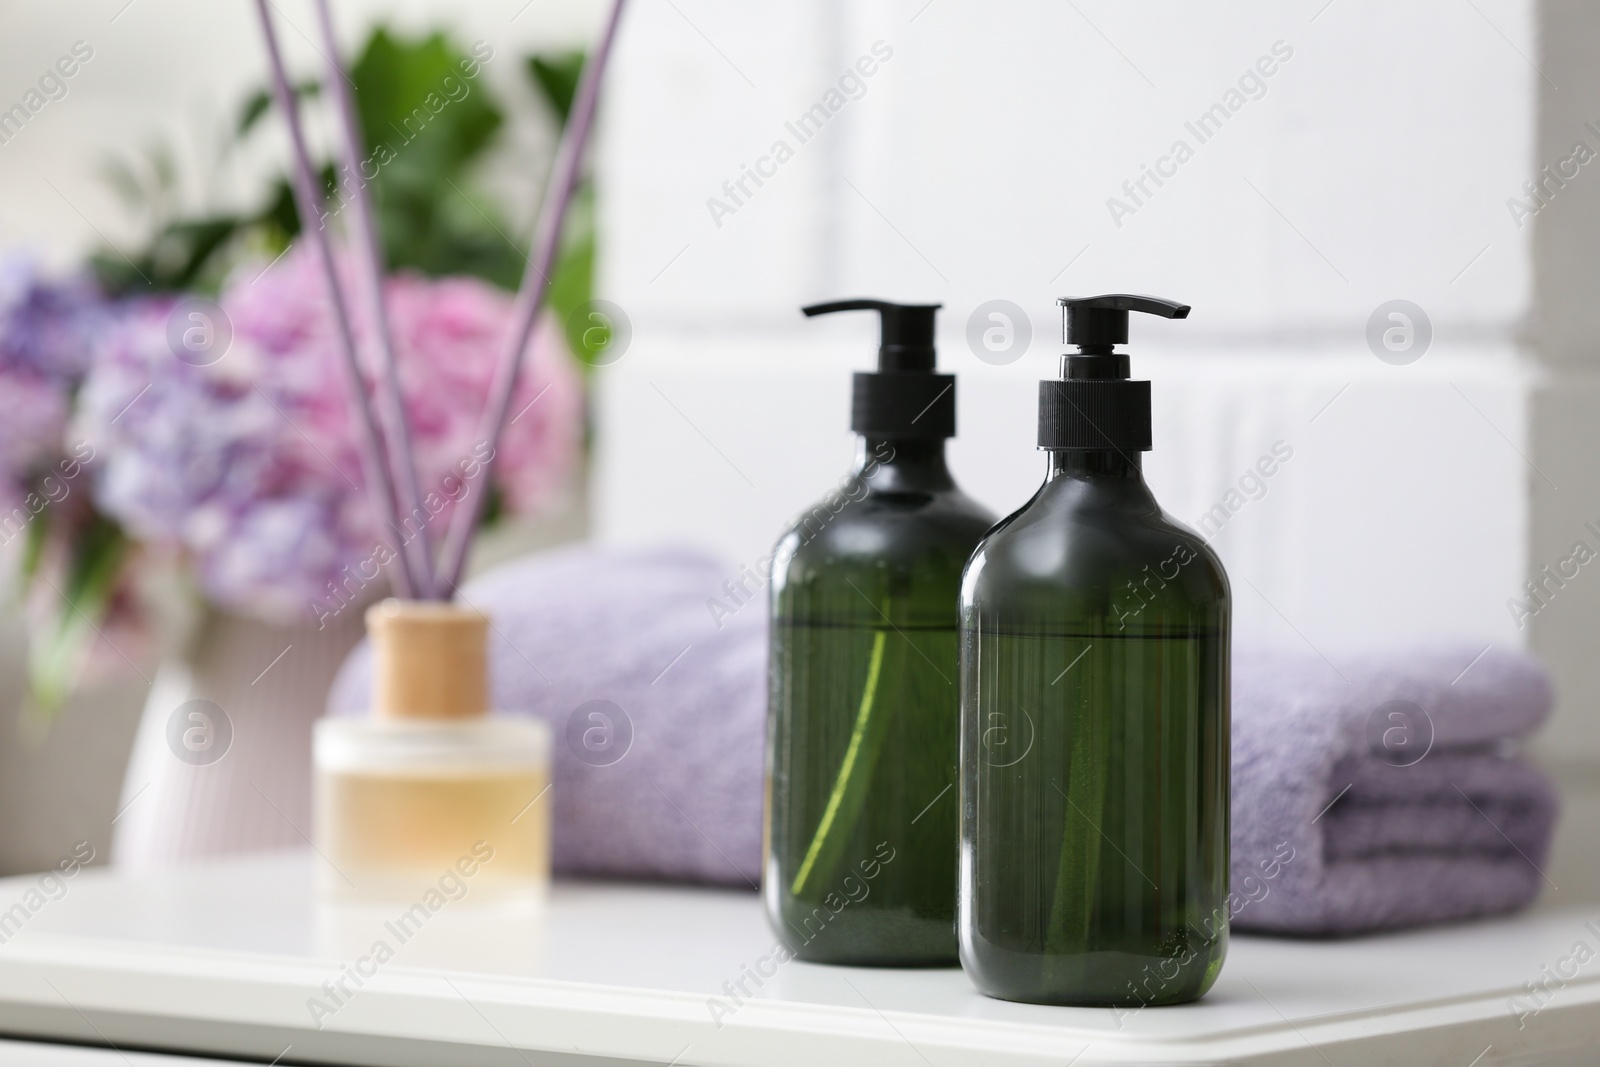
[(428, 660)]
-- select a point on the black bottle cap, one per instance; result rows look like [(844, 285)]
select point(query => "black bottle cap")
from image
[(904, 397), (1094, 406)]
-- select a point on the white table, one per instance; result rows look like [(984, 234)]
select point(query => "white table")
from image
[(224, 960)]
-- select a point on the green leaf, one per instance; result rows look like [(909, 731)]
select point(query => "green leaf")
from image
[(427, 122), (555, 75), (258, 103), (177, 258), (572, 285), (33, 543), (58, 650), (415, 99), (119, 174)]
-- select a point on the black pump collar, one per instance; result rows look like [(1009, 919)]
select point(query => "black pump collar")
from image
[(1093, 406)]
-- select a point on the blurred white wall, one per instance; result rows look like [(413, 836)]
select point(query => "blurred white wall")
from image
[(1368, 154)]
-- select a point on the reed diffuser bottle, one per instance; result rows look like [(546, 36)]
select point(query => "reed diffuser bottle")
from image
[(861, 827), (429, 784), (1094, 718)]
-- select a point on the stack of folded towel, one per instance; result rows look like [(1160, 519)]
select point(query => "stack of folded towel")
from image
[(1393, 781), (1381, 793)]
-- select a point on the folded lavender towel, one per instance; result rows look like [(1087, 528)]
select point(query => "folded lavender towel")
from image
[(1385, 792), (1345, 818), (666, 783)]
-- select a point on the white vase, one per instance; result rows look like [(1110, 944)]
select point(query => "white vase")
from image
[(222, 759)]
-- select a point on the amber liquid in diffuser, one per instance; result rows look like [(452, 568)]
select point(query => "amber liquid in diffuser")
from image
[(400, 804), (391, 830)]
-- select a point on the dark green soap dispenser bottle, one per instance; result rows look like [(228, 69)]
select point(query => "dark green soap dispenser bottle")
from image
[(1094, 712), (864, 704)]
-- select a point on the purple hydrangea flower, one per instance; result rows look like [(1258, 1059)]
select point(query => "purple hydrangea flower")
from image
[(47, 335)]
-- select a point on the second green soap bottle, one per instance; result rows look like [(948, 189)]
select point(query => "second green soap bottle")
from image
[(862, 731), (1095, 711)]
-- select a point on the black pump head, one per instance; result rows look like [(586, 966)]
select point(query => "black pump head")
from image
[(906, 331), (1102, 321), (1094, 406), (904, 398), (1096, 323)]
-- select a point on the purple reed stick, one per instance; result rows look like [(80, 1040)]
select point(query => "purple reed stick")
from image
[(531, 295), (304, 183), (392, 409)]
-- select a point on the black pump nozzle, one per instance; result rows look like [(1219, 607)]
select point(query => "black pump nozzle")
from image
[(1094, 406), (904, 398), (1097, 321), (906, 331)]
